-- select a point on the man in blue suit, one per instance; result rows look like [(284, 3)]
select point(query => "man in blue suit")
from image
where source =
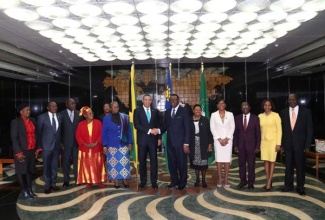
[(247, 142), (177, 125), (49, 135), (297, 134), (146, 121)]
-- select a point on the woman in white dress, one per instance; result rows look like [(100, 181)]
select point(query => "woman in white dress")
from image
[(222, 126)]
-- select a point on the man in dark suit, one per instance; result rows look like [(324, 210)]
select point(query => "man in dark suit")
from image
[(177, 125), (146, 122), (69, 146), (247, 141), (297, 133), (106, 111), (49, 136)]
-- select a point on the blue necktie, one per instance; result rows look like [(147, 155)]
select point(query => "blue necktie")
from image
[(53, 122), (173, 114), (148, 115)]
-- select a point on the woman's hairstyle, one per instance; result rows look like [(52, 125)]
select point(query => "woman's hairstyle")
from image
[(221, 99), (197, 105), (267, 100)]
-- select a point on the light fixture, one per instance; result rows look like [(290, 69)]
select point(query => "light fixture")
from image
[(260, 26), (178, 42), (152, 19), (314, 5), (177, 47), (4, 4), (286, 26), (227, 34), (94, 22), (38, 2), (227, 55), (92, 45), (193, 55), (185, 6), (85, 39), (138, 49), (38, 25), (176, 56), (273, 16), (110, 44), (21, 14), (52, 33), (101, 51), (301, 16), (243, 41), (128, 30), (79, 50), (242, 55), (156, 36), (242, 17), (253, 5), (85, 10), (144, 57), (62, 40), (217, 46), (199, 47), (118, 8), (181, 27), (91, 59), (107, 58), (159, 56), (204, 41), (265, 40), (234, 26), (71, 46), (76, 32), (286, 5), (124, 20), (66, 23), (213, 17), (219, 5), (75, 1), (102, 31), (208, 26), (155, 28), (110, 38), (152, 7), (157, 42), (183, 18), (53, 12), (251, 34), (275, 34), (132, 37), (210, 55), (204, 35), (180, 35)]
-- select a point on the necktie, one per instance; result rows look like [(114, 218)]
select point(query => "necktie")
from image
[(245, 123), (53, 122), (71, 116), (148, 115), (173, 114), (293, 118)]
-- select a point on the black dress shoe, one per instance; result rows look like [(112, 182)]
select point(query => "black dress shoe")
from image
[(141, 185), (47, 190), (66, 184), (180, 187), (301, 192), (154, 186), (26, 194), (30, 191), (250, 187), (170, 185), (125, 185), (116, 186), (241, 185), (286, 189), (55, 188)]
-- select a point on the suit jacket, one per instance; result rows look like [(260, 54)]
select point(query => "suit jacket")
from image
[(205, 135), (48, 139), (222, 130), (251, 138), (142, 125), (82, 135), (300, 137), (178, 128), (69, 128), (19, 136)]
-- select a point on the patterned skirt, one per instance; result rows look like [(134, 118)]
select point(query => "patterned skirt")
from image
[(118, 163), (91, 167), (198, 163)]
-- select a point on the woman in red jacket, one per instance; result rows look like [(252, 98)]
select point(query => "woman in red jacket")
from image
[(90, 157)]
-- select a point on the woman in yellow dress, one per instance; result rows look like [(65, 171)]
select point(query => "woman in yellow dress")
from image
[(271, 134)]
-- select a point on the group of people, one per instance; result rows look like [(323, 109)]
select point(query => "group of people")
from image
[(90, 143)]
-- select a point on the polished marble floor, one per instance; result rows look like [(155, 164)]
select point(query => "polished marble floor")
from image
[(77, 202)]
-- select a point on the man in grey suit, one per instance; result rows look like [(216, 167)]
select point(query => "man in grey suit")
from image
[(177, 125), (297, 133), (49, 136), (69, 146)]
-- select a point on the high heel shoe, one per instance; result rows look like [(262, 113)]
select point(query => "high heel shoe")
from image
[(204, 184), (125, 184), (197, 183)]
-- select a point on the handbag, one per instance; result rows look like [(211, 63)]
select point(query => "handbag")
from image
[(320, 145)]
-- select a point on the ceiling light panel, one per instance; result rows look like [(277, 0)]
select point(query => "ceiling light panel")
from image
[(143, 29)]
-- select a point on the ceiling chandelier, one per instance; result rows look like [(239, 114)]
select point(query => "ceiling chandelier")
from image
[(142, 29)]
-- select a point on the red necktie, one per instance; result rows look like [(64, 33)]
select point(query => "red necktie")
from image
[(245, 123)]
